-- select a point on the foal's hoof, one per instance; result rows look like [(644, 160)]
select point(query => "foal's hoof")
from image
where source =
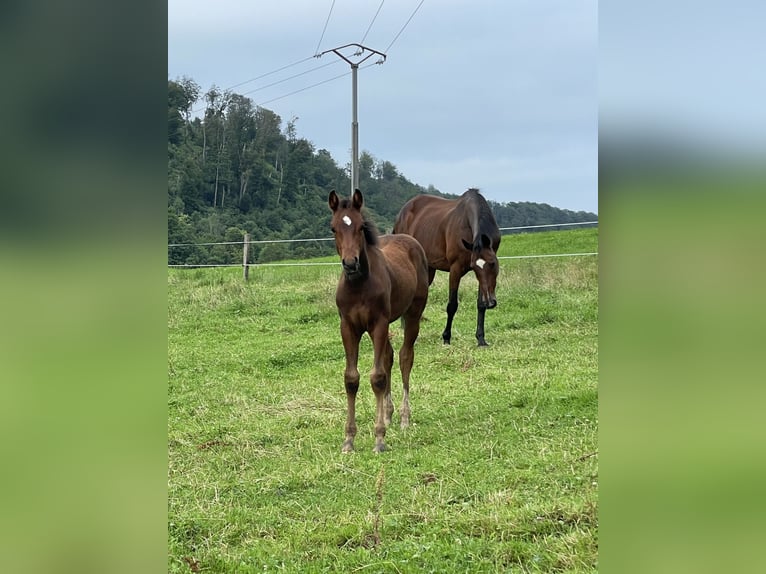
[(347, 447), (379, 448)]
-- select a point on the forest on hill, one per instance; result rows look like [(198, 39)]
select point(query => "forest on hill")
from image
[(239, 169)]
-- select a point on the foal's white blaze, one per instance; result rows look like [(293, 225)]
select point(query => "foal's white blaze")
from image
[(480, 263), (347, 220)]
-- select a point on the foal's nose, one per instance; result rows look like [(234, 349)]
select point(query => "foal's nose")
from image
[(492, 303), (351, 265)]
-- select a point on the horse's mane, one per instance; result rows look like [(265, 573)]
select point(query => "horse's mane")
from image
[(483, 214), (368, 227)]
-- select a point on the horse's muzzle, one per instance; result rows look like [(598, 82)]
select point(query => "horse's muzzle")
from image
[(489, 303), (351, 268)]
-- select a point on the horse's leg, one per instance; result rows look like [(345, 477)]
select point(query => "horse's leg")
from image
[(406, 358), (481, 309), (379, 380), (351, 379), (454, 284), (389, 362)]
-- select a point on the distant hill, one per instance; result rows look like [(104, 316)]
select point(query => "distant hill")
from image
[(238, 169)]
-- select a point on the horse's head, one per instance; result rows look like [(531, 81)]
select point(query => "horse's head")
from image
[(484, 263), (352, 233)]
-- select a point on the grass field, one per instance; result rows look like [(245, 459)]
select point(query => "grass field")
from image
[(498, 471)]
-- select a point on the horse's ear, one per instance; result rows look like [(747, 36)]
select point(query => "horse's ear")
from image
[(485, 241), (333, 200), (467, 245), (357, 200)]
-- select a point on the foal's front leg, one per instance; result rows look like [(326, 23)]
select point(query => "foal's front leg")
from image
[(351, 380)]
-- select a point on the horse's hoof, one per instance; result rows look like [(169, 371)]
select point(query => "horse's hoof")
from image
[(483, 344)]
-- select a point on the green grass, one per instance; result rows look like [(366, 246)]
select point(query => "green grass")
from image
[(498, 471)]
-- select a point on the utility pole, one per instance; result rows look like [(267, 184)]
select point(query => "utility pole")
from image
[(359, 57)]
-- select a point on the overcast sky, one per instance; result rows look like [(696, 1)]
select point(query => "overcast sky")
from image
[(687, 70), (499, 95)]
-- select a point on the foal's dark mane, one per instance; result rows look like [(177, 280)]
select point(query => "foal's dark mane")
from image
[(481, 218), (368, 227)]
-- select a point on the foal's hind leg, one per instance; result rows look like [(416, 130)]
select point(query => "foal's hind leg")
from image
[(407, 357), (380, 379), (389, 362)]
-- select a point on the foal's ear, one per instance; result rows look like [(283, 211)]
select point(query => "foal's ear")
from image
[(333, 200), (357, 200)]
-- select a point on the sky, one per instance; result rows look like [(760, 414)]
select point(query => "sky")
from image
[(498, 95), (687, 70)]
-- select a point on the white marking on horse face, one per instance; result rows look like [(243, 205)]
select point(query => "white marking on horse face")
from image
[(480, 263), (347, 220)]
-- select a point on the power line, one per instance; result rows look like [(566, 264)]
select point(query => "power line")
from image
[(325, 27), (269, 73), (259, 77), (289, 78), (261, 104), (403, 27), (310, 57), (371, 23)]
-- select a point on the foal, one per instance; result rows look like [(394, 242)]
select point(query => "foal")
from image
[(384, 278)]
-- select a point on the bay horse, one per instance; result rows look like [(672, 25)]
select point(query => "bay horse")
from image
[(384, 278), (457, 235)]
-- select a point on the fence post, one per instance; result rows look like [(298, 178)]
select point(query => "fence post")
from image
[(245, 266)]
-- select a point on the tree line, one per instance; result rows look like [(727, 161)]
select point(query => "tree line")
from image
[(239, 168)]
